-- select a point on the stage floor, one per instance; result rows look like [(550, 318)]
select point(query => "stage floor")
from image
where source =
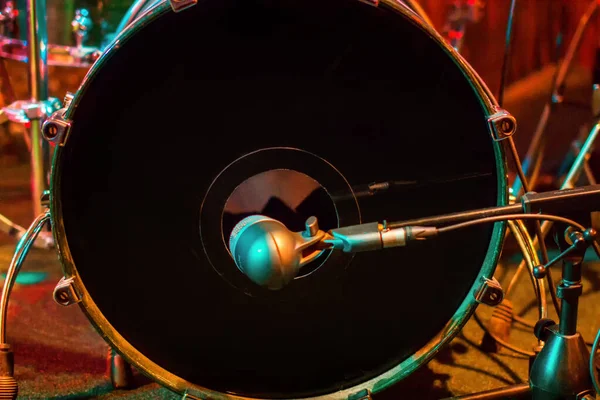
[(58, 355)]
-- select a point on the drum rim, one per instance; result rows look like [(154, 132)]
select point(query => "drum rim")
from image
[(374, 385)]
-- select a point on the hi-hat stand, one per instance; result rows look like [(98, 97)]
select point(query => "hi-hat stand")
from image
[(560, 371)]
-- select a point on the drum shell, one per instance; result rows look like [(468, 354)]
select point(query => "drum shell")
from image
[(159, 374)]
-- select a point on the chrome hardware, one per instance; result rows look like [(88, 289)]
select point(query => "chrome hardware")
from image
[(312, 227), (502, 125), (64, 293), (45, 200), (82, 24), (489, 292), (8, 384), (8, 19), (22, 111), (180, 5), (68, 99), (56, 128), (15, 266)]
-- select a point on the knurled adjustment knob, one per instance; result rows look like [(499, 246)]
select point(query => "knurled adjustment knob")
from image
[(540, 271), (8, 385)]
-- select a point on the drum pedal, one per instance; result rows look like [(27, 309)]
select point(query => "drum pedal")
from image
[(499, 326)]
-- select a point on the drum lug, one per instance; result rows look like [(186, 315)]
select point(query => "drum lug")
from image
[(56, 128), (45, 199), (68, 99), (64, 292), (489, 292), (364, 394), (502, 125), (180, 5)]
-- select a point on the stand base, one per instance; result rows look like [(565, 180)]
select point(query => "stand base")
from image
[(561, 370)]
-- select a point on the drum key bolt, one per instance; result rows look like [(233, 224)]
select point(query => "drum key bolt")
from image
[(64, 293), (502, 125), (489, 292), (56, 129)]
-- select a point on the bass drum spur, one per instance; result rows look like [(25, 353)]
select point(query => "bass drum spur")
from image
[(350, 111)]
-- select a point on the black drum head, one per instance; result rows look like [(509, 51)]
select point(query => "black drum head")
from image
[(305, 105)]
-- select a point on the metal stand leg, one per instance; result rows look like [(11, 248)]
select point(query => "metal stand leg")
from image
[(561, 369), (8, 384), (33, 111), (119, 370), (37, 43), (535, 152), (569, 182), (43, 241)]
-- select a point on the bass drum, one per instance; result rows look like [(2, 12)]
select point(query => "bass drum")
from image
[(193, 120)]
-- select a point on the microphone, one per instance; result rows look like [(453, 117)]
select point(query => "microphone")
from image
[(268, 253), (271, 255)]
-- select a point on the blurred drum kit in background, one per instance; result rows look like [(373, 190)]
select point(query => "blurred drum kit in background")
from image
[(330, 126), (56, 62)]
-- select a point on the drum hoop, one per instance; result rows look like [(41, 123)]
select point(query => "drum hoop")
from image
[(374, 385)]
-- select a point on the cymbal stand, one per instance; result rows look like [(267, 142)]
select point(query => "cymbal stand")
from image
[(32, 112), (569, 182), (461, 13), (535, 152), (561, 369)]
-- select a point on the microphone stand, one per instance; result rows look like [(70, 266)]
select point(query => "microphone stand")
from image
[(561, 370)]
